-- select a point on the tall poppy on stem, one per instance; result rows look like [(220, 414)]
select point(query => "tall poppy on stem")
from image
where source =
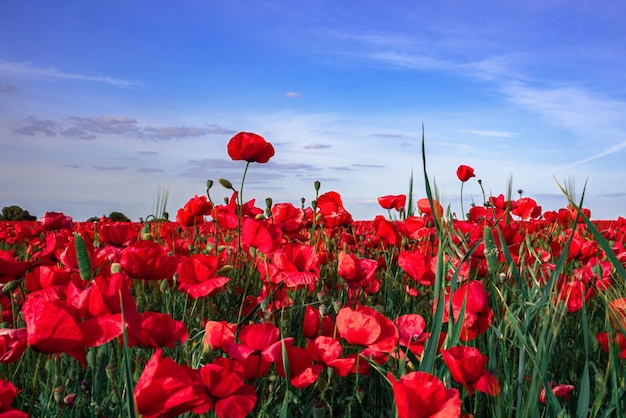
[(248, 147), (464, 173)]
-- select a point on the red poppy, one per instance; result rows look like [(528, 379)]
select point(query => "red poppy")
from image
[(99, 302), (560, 391), (197, 276), (147, 260), (302, 372), (423, 205), (53, 326), (397, 202), (12, 344), (417, 266), (7, 395), (261, 235), (46, 276), (118, 234), (158, 330), (229, 395), (411, 333), (194, 211), (218, 335), (465, 172), (333, 213), (10, 267), (606, 338), (288, 217), (328, 351), (467, 367), (56, 220), (421, 395), (253, 339), (293, 264), (526, 208), (478, 314), (227, 216), (386, 230), (364, 326), (167, 389), (250, 147), (359, 273)]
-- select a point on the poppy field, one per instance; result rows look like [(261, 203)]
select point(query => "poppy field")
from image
[(237, 309)]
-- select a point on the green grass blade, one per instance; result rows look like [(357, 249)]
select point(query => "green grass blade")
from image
[(131, 407), (584, 392)]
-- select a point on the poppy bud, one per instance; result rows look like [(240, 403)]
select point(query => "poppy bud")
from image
[(58, 393), (225, 183)]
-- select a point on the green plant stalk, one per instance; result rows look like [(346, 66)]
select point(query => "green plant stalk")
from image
[(131, 407)]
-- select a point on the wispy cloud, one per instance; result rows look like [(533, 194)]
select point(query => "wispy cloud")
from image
[(615, 148), (490, 133), (293, 95), (570, 107), (88, 128), (29, 70), (317, 146)]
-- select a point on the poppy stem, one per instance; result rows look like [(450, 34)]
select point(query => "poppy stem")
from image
[(240, 206)]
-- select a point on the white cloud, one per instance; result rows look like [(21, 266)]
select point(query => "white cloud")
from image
[(29, 70)]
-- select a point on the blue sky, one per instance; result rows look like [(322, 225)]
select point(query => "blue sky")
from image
[(103, 104)]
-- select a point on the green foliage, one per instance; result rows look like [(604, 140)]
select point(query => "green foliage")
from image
[(16, 213), (118, 217)]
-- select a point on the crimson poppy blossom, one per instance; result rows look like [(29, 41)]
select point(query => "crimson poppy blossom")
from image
[(12, 344), (10, 267), (7, 395), (334, 214), (250, 147), (328, 351), (465, 172), (52, 326), (168, 389), (261, 235), (467, 367), (302, 372), (293, 264), (253, 339), (230, 396), (417, 266), (606, 339), (560, 391), (158, 330), (386, 230), (147, 260), (218, 335), (397, 202), (197, 276), (56, 220), (288, 217), (118, 234), (358, 273), (364, 326), (422, 395), (478, 314), (411, 333), (423, 205)]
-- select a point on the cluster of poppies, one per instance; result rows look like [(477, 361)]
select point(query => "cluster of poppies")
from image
[(78, 280)]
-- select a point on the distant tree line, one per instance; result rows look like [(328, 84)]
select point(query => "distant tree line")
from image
[(16, 213)]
